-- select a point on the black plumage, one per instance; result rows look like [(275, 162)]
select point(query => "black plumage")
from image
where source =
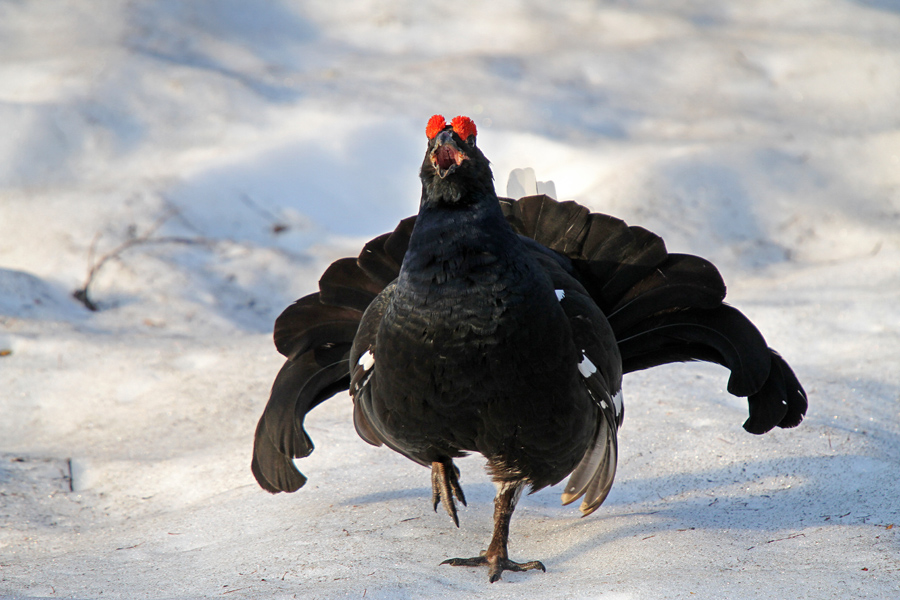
[(504, 327)]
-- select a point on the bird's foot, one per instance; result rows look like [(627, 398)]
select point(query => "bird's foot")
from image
[(445, 485), (496, 565)]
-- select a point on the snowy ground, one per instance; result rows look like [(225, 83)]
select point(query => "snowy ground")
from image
[(240, 147)]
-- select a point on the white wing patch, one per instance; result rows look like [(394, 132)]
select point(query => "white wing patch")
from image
[(560, 294), (619, 402), (586, 367), (366, 361)]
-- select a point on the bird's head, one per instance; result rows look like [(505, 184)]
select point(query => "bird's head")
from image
[(454, 170)]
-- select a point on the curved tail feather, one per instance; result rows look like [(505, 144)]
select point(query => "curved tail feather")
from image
[(681, 280), (308, 324), (381, 258), (721, 335), (300, 385), (315, 334), (781, 401), (346, 285)]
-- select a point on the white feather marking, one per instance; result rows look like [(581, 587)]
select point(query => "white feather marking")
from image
[(365, 380), (586, 367), (366, 361), (560, 294), (604, 405), (619, 402)]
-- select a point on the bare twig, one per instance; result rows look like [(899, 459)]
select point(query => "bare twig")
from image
[(83, 294), (790, 537), (277, 226)]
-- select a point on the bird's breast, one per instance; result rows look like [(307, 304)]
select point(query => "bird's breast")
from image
[(474, 327)]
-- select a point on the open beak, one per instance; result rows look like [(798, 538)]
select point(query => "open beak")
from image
[(446, 155)]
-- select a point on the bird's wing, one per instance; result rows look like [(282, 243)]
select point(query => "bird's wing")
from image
[(362, 367), (600, 368), (364, 377)]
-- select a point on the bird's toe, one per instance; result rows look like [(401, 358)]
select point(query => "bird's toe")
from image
[(496, 565), (444, 486)]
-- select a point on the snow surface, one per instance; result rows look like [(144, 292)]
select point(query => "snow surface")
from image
[(230, 150)]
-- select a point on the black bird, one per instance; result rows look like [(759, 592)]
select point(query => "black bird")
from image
[(504, 328)]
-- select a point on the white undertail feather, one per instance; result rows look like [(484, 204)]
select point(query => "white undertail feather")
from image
[(523, 182), (560, 294)]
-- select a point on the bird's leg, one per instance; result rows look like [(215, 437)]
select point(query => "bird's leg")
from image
[(496, 557), (445, 485)]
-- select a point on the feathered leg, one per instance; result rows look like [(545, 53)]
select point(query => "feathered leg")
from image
[(496, 557), (445, 485)]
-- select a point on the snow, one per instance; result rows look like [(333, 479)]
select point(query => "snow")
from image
[(231, 151)]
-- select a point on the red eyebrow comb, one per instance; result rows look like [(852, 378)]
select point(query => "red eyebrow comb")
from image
[(436, 124), (464, 127)]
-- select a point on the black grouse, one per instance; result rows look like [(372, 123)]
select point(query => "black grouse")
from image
[(504, 327)]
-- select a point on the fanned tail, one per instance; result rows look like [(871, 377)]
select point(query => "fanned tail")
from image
[(663, 307)]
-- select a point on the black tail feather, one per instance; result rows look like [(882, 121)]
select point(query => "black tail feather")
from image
[(636, 256), (308, 324), (302, 384), (346, 285), (781, 401), (376, 263), (270, 465), (396, 244), (381, 257), (680, 281), (609, 255), (722, 335), (560, 226), (280, 435)]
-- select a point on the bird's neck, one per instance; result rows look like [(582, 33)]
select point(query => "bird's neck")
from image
[(457, 240)]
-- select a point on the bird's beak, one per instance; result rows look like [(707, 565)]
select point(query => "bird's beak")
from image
[(446, 155)]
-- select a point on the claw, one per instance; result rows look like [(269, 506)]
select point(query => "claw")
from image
[(445, 485), (495, 566)]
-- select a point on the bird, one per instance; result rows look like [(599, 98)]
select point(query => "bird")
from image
[(504, 327)]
